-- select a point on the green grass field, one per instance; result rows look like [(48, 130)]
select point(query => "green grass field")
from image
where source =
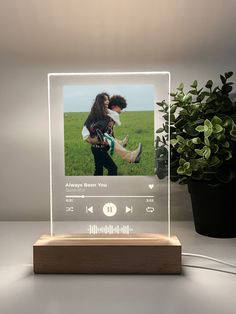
[(79, 158)]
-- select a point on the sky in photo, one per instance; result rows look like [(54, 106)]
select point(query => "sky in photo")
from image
[(80, 98)]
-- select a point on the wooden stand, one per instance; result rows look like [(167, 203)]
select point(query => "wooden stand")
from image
[(131, 254)]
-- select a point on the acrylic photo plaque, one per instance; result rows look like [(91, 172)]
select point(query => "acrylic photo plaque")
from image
[(103, 157)]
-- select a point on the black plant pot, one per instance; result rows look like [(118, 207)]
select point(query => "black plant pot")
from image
[(214, 209)]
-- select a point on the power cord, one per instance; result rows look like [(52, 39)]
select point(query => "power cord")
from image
[(209, 258)]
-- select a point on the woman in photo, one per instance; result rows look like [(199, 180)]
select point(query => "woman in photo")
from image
[(98, 131), (100, 150)]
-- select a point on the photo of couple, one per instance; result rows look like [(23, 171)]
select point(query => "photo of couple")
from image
[(99, 132), (109, 145)]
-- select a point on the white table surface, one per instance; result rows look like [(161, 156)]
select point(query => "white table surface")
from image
[(196, 290)]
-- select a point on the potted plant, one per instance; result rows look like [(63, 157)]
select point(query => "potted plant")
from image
[(202, 152)]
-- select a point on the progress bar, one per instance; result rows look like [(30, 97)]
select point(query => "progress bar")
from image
[(109, 196)]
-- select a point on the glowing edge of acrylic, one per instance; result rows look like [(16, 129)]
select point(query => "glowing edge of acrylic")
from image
[(101, 74)]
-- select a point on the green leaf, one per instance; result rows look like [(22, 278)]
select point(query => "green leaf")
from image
[(207, 152), (186, 165), (188, 172), (228, 123), (181, 170), (209, 84), (164, 140), (233, 131), (159, 130), (196, 140), (214, 161), (173, 108), (207, 128), (179, 98), (194, 112), (166, 116), (206, 93), (200, 97), (194, 165), (206, 141), (202, 162), (187, 98), (226, 144), (194, 85), (184, 112), (214, 148), (223, 79), (199, 121), (200, 128), (226, 89), (193, 92), (211, 98), (220, 137), (210, 111), (172, 117), (200, 152), (190, 129), (173, 141), (165, 126), (185, 169), (182, 161), (160, 104), (229, 74), (181, 87), (189, 143), (173, 94), (216, 120), (199, 91), (217, 128), (204, 152), (180, 139), (228, 154)]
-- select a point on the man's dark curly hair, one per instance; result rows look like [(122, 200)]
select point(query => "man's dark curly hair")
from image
[(117, 100)]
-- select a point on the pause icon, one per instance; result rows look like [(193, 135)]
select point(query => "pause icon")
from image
[(109, 209)]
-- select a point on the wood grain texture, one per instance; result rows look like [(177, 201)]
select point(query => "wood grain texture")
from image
[(133, 254)]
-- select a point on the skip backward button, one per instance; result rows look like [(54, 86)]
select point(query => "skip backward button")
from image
[(89, 209)]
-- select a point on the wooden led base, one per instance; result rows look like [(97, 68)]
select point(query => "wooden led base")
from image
[(131, 254)]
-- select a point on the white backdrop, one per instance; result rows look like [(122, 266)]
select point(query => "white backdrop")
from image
[(38, 37)]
